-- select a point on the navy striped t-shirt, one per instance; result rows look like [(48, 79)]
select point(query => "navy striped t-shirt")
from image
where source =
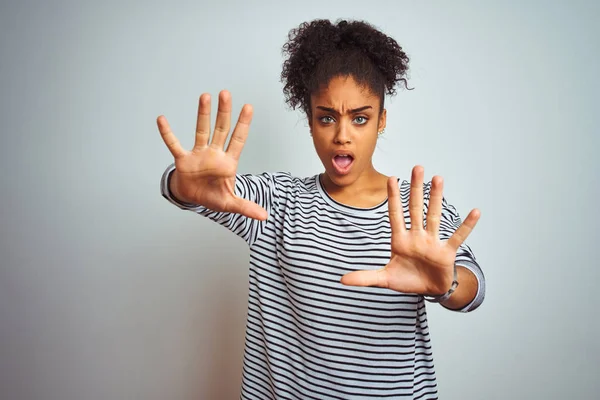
[(307, 335)]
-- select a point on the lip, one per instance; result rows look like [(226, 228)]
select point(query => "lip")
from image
[(343, 153), (338, 170)]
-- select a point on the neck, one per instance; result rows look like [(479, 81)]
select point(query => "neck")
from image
[(368, 190)]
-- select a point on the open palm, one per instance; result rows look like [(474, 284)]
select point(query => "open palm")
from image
[(206, 174), (421, 262)]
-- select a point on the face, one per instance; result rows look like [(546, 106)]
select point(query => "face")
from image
[(345, 122)]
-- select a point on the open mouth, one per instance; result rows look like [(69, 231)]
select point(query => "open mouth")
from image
[(342, 163)]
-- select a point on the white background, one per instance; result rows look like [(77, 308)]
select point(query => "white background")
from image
[(109, 292)]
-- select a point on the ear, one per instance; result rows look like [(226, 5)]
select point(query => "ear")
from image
[(382, 120)]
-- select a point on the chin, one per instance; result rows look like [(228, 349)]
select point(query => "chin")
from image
[(341, 180)]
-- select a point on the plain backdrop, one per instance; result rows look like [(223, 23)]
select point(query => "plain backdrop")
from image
[(109, 292)]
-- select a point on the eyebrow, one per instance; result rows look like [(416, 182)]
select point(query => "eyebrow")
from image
[(334, 111)]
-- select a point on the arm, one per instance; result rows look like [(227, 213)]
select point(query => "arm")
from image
[(424, 256), (260, 189), (470, 292), (207, 181), (465, 293)]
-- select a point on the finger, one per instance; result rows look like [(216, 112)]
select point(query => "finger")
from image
[(434, 210), (378, 278), (240, 132), (169, 137), (223, 123), (395, 210), (249, 209), (465, 229), (415, 202), (203, 121)]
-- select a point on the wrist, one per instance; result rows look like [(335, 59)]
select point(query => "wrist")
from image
[(173, 184), (439, 298), (442, 284), (172, 181)]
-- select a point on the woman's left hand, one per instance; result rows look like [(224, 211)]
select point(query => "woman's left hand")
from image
[(420, 263)]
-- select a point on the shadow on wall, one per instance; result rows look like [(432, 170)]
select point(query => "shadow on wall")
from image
[(218, 363)]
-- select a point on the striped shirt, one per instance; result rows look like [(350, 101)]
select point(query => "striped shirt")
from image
[(307, 335)]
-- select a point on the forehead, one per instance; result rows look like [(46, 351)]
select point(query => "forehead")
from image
[(344, 92)]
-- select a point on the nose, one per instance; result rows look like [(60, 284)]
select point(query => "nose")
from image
[(342, 135)]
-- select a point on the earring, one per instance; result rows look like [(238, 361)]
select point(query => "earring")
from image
[(382, 131)]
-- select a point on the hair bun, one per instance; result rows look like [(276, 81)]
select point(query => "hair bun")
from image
[(319, 50)]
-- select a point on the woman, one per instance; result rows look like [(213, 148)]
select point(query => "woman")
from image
[(340, 262)]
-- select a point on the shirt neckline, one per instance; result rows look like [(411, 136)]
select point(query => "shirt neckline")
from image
[(344, 207)]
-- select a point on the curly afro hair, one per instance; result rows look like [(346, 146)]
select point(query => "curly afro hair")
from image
[(318, 51)]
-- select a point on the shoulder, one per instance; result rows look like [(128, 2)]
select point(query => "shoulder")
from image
[(404, 186), (281, 181)]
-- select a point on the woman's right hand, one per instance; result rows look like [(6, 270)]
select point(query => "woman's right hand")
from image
[(206, 174)]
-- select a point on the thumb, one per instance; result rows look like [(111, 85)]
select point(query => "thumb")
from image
[(378, 278), (249, 209)]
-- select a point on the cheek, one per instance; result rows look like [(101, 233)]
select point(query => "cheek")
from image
[(320, 146), (368, 147)]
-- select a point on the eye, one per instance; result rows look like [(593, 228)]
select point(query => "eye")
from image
[(360, 120), (326, 119)]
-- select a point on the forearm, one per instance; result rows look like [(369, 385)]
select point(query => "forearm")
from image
[(465, 292)]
